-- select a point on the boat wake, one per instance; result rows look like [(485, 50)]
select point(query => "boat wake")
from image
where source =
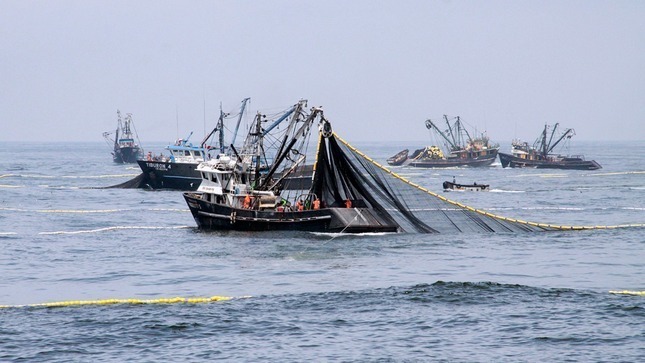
[(507, 191), (114, 228), (339, 234)]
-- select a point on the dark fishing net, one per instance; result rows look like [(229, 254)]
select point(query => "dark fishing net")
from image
[(344, 173), (139, 181)]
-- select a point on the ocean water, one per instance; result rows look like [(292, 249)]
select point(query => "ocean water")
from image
[(531, 297)]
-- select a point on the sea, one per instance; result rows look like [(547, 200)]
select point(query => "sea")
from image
[(301, 297)]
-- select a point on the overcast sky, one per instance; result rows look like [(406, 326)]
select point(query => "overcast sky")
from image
[(378, 68)]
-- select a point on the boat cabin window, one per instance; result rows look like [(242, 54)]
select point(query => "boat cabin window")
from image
[(186, 152)]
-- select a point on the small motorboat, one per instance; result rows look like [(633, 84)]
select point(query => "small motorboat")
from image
[(399, 158), (453, 186)]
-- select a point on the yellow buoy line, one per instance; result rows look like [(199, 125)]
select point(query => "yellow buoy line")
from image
[(172, 300), (483, 212), (627, 292)]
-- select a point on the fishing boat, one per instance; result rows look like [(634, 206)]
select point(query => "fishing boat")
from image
[(178, 170), (541, 156), (125, 148), (453, 186), (349, 192), (236, 195), (399, 158), (459, 149)]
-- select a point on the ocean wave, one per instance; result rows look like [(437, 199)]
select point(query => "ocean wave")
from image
[(11, 186), (633, 208), (552, 175), (541, 208), (35, 176), (113, 228), (616, 173)]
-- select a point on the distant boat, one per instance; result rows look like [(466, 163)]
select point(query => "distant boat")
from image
[(461, 149), (399, 158), (125, 148), (178, 170), (540, 155), (449, 186)]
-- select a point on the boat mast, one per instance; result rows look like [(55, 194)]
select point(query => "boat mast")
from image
[(118, 127), (257, 144), (430, 125), (460, 131), (220, 127), (296, 110), (297, 135), (452, 134), (237, 126), (548, 146), (544, 145), (569, 131)]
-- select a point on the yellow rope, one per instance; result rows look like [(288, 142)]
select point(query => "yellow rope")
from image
[(172, 300), (541, 225)]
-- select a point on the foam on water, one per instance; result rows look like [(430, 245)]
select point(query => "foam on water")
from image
[(113, 228)]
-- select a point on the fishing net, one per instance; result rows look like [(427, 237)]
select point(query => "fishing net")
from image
[(343, 173)]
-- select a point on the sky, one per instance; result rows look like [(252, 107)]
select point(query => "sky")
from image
[(379, 69)]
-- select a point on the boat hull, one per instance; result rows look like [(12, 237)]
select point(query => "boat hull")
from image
[(480, 161), (511, 161), (170, 175), (465, 187), (184, 176), (213, 216), (127, 155), (399, 158)]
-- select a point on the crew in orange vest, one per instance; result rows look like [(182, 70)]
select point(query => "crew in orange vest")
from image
[(316, 204), (348, 203), (247, 202)]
